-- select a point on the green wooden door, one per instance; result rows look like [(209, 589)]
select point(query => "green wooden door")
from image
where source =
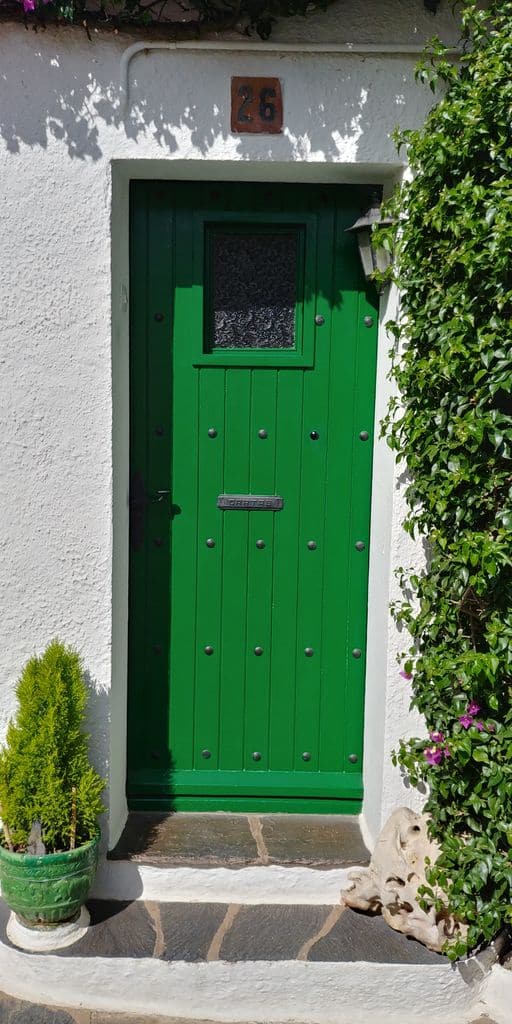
[(252, 391)]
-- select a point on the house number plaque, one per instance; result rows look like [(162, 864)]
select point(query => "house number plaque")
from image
[(256, 105)]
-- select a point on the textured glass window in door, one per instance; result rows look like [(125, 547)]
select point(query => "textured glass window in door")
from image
[(253, 289)]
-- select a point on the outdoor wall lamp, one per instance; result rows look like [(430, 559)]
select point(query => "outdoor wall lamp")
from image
[(373, 257)]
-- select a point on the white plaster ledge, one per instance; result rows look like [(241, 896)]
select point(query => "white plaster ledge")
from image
[(497, 995), (274, 992), (273, 883)]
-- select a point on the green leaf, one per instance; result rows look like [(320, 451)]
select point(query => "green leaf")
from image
[(480, 754)]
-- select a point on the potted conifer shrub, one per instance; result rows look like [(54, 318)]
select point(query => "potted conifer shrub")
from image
[(50, 794)]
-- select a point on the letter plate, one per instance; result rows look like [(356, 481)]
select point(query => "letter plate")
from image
[(241, 502)]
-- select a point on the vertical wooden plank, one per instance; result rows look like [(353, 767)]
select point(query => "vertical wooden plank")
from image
[(310, 603), (347, 512), (158, 473), (137, 754), (209, 565), (262, 417), (152, 232), (361, 451), (234, 570), (184, 641), (285, 581), (335, 727)]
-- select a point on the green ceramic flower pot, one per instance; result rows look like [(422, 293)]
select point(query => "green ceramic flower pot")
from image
[(51, 889)]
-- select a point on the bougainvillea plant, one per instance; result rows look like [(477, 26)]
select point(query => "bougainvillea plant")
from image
[(452, 428), (176, 17)]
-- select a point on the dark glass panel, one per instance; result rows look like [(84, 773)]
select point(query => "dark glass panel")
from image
[(253, 289)]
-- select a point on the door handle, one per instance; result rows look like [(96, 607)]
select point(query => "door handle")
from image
[(159, 496), (139, 499)]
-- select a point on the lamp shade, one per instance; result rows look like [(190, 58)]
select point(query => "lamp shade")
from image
[(372, 257)]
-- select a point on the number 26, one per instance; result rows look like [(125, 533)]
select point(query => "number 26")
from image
[(267, 110)]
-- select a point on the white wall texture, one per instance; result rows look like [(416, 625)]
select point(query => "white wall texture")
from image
[(67, 152)]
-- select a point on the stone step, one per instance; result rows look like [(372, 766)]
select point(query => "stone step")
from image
[(238, 964), (233, 858), (241, 840)]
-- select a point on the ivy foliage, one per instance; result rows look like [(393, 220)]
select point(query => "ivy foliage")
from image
[(452, 428), (45, 774)]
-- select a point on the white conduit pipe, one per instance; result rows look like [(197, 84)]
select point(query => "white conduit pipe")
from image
[(260, 46)]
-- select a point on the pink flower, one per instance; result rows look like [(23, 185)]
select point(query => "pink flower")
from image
[(472, 708), (446, 752), (433, 755), (30, 5), (479, 725), (466, 721), (437, 737), (406, 675)]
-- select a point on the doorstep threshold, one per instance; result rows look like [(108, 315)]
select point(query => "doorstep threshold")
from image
[(226, 858), (221, 840)]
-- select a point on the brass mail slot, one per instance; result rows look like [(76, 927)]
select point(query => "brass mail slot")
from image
[(261, 502)]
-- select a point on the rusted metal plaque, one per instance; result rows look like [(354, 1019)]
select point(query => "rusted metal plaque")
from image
[(256, 105), (240, 502)]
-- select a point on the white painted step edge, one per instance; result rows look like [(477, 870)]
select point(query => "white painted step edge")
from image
[(273, 883), (277, 993), (497, 995)]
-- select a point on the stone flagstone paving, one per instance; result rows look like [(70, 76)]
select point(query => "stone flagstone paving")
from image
[(195, 932)]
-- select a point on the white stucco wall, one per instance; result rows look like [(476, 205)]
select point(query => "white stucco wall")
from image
[(67, 153)]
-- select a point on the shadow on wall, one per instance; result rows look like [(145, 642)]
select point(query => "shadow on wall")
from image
[(56, 85), (97, 724)]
